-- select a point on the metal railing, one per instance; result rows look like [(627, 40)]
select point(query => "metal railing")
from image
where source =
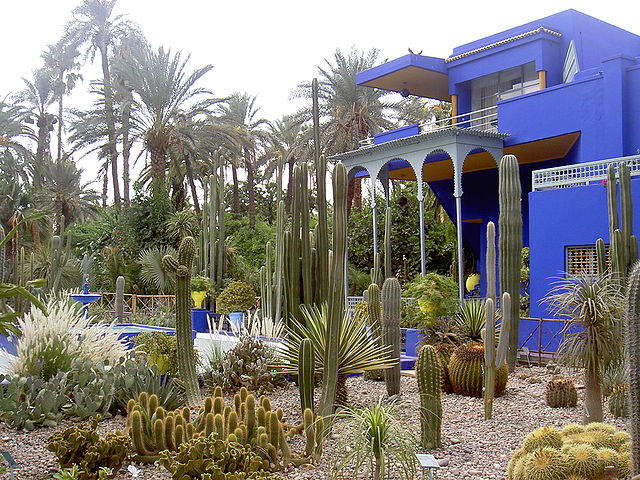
[(485, 119), (140, 304), (580, 174)]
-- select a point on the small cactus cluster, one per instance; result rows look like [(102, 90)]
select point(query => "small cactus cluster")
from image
[(561, 392), (428, 376), (466, 371), (153, 430), (618, 400), (574, 452)]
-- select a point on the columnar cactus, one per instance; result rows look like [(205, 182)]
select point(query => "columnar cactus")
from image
[(632, 337), (2, 255), (336, 289), (428, 376), (212, 259), (306, 373), (618, 401), (491, 261), (510, 246), (561, 392), (182, 266), (373, 306), (120, 299), (376, 271), (494, 356), (391, 303)]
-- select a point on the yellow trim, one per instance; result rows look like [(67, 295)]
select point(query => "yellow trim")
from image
[(454, 108), (542, 79)]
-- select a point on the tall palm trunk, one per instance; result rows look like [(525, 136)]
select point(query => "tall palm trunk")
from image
[(236, 191), (192, 183), (592, 396), (111, 123), (105, 184), (158, 167), (126, 149), (248, 165), (60, 121), (43, 142)]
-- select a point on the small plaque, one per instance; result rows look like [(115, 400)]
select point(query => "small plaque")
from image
[(427, 461)]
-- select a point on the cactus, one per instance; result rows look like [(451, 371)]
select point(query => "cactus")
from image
[(182, 266), (336, 289), (546, 464), (494, 357), (376, 271), (618, 404), (120, 299), (306, 373), (428, 376), (213, 250), (374, 314), (388, 271), (510, 246), (491, 261), (561, 393), (466, 371), (444, 351), (2, 255), (391, 303), (632, 336)]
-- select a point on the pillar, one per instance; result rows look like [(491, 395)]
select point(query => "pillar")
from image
[(374, 217), (423, 260), (460, 250), (454, 108), (542, 79)]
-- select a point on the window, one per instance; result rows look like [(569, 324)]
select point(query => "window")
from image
[(488, 90), (583, 260)]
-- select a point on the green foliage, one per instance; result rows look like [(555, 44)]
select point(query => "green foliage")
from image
[(81, 446), (136, 377), (470, 319), (184, 223), (237, 297), (375, 441), (248, 364), (74, 473), (152, 272), (247, 242), (405, 230), (436, 295), (160, 350), (201, 284)]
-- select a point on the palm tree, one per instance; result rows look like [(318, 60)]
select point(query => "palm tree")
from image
[(13, 130), (349, 113), (593, 307), (61, 60), (164, 92), (95, 24), (38, 97), (239, 113)]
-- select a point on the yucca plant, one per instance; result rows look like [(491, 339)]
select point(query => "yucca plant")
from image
[(593, 333), (359, 350), (373, 438), (470, 319)]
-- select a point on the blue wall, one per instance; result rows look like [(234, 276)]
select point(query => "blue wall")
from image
[(566, 217)]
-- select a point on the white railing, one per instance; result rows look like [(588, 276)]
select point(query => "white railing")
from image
[(485, 119), (580, 174)]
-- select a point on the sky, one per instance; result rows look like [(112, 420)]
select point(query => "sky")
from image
[(268, 48)]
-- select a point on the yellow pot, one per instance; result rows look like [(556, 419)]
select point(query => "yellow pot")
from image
[(198, 297), (472, 281)]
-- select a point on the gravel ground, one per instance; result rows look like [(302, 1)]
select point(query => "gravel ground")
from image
[(472, 447)]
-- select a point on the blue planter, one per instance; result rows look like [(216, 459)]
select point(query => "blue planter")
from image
[(235, 318), (413, 340), (199, 319), (131, 330)]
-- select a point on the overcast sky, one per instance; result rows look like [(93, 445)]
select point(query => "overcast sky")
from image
[(267, 48)]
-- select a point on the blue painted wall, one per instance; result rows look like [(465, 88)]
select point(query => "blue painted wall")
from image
[(566, 217)]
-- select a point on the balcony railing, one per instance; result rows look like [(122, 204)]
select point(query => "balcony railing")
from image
[(580, 174), (485, 119)]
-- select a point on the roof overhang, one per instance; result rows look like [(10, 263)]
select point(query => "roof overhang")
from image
[(420, 75)]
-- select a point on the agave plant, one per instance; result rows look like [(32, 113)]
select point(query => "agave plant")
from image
[(470, 319), (359, 350), (152, 273)]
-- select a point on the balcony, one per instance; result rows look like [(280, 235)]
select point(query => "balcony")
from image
[(484, 120)]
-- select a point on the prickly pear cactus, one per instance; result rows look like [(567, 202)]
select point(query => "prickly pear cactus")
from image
[(182, 266)]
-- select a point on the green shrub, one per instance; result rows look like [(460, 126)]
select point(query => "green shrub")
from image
[(200, 284), (237, 297), (436, 295), (80, 445), (160, 350)]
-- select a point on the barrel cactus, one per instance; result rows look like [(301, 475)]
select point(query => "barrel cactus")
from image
[(561, 392), (466, 371)]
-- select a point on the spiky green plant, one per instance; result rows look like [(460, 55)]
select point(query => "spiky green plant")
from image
[(152, 272), (373, 439), (594, 306), (470, 319)]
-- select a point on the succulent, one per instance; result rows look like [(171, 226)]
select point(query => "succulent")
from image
[(391, 302), (561, 392), (80, 445), (119, 303), (306, 373), (428, 376), (373, 318), (466, 371), (444, 351), (618, 401), (573, 452)]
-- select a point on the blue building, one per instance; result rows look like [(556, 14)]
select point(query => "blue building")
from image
[(561, 93)]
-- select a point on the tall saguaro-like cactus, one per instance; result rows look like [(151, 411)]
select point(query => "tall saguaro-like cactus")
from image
[(632, 336), (510, 246), (391, 303), (306, 373), (494, 357), (120, 299), (428, 376), (336, 291), (182, 266), (375, 314)]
